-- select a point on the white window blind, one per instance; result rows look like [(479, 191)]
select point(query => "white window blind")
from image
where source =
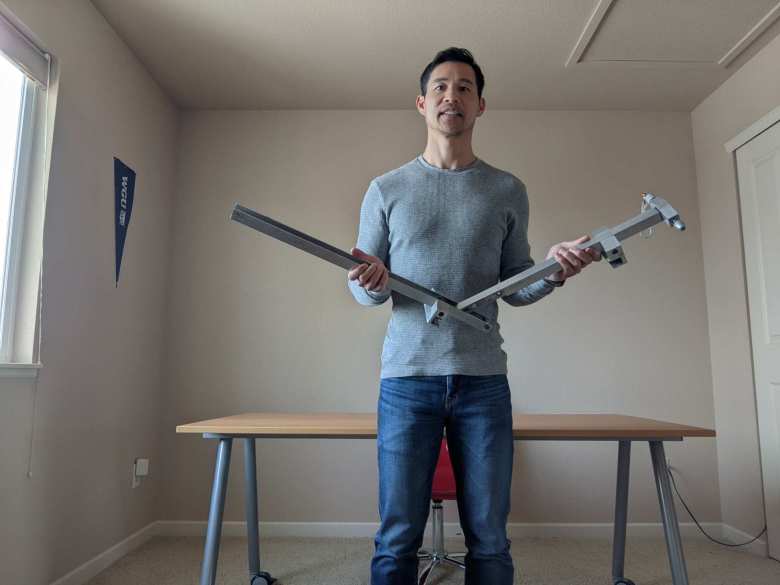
[(17, 45)]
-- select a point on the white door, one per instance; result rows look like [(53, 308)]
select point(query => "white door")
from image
[(758, 165)]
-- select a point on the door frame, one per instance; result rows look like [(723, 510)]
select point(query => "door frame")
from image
[(753, 130), (741, 139)]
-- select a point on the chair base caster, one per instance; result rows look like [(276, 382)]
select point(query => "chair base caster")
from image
[(262, 578)]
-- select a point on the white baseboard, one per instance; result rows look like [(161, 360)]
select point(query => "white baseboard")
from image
[(759, 547), (91, 568), (85, 572), (272, 529), (605, 530), (451, 529)]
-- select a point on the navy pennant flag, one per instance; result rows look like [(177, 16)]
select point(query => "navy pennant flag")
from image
[(124, 187)]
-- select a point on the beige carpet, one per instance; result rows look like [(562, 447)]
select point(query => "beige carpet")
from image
[(345, 561)]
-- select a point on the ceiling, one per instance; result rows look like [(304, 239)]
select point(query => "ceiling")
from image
[(368, 54)]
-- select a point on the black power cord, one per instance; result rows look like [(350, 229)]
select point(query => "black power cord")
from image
[(715, 540)]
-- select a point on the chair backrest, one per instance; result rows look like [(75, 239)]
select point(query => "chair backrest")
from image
[(443, 477)]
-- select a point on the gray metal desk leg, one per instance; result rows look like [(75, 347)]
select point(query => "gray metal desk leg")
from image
[(208, 573), (256, 576), (621, 514), (668, 514)]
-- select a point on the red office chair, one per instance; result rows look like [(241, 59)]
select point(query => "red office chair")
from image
[(443, 489)]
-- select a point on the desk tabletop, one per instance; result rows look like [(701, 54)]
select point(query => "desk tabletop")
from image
[(363, 426)]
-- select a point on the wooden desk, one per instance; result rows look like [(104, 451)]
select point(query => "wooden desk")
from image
[(552, 427)]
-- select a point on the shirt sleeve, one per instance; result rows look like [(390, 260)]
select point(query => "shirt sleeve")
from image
[(374, 239), (516, 253)]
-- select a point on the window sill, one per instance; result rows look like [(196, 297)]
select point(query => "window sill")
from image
[(19, 371)]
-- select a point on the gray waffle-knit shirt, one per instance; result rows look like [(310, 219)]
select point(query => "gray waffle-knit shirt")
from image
[(457, 232)]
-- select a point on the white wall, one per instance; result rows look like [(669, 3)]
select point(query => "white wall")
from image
[(99, 393), (747, 96), (256, 325)]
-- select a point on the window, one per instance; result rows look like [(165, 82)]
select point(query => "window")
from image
[(25, 72), (14, 88), (11, 87)]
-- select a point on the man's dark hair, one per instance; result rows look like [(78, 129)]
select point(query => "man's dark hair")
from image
[(452, 54)]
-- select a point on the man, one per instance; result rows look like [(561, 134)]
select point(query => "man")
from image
[(452, 223)]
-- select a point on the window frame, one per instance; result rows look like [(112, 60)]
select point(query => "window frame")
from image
[(22, 284)]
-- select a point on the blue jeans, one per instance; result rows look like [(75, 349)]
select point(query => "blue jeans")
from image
[(477, 414)]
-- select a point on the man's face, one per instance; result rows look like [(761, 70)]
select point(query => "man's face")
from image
[(451, 105)]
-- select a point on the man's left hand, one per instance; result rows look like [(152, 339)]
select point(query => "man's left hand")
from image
[(571, 258)]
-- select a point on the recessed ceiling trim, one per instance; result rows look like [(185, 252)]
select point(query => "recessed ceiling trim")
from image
[(645, 64), (602, 7), (600, 13), (751, 36)]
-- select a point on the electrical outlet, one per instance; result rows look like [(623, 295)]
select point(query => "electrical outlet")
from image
[(140, 468)]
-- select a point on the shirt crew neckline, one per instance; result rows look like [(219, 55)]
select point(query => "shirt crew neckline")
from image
[(425, 164)]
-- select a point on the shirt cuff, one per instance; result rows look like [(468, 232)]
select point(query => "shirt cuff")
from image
[(379, 296)]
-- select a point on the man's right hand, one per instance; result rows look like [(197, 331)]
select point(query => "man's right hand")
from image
[(372, 275)]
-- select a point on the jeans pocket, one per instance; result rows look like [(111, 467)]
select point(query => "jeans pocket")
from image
[(488, 388), (408, 412)]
